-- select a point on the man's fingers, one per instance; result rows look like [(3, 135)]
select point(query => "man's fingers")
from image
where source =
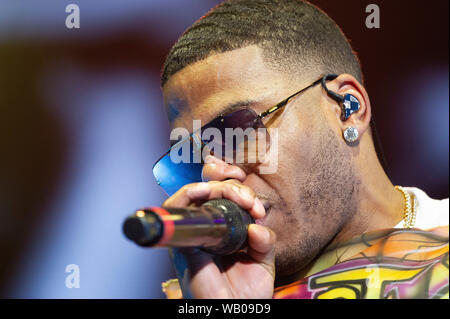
[(188, 194), (215, 169), (202, 278), (261, 246), (231, 189)]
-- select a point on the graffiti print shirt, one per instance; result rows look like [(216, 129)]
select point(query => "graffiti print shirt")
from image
[(390, 264)]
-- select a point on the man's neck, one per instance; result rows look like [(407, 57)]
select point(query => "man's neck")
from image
[(380, 206)]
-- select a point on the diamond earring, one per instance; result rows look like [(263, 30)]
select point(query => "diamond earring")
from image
[(351, 134)]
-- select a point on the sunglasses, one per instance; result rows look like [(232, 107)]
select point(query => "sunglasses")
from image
[(182, 164)]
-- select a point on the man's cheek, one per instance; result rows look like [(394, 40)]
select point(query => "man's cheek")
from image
[(271, 158)]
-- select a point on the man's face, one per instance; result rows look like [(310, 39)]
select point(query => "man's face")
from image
[(309, 197)]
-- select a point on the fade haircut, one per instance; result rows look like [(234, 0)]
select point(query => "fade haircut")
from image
[(295, 37)]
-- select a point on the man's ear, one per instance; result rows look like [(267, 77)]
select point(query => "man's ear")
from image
[(354, 111)]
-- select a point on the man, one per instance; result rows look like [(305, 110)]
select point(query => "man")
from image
[(329, 197)]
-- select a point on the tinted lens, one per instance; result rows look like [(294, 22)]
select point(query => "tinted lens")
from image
[(180, 166), (243, 138), (238, 137)]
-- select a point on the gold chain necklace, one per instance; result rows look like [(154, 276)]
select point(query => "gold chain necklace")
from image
[(409, 218)]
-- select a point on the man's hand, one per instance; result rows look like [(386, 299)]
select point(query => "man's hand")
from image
[(242, 275)]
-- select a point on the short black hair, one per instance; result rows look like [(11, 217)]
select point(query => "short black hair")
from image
[(294, 35)]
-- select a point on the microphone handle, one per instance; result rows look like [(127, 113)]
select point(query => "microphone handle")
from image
[(219, 227)]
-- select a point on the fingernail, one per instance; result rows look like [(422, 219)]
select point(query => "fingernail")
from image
[(265, 232), (259, 207)]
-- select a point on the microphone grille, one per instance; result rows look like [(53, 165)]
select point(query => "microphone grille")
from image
[(144, 228)]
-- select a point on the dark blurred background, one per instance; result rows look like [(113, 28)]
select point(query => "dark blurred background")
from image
[(82, 122)]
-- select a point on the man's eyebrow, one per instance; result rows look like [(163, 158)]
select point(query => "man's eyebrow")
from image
[(235, 106)]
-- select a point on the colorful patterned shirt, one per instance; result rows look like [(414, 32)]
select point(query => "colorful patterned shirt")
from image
[(391, 264)]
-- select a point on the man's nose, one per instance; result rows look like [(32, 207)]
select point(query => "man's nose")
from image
[(216, 169)]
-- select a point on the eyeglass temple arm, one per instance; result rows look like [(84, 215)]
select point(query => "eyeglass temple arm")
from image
[(285, 101), (273, 109), (335, 96), (328, 77)]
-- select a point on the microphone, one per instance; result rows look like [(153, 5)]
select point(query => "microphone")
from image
[(219, 227)]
